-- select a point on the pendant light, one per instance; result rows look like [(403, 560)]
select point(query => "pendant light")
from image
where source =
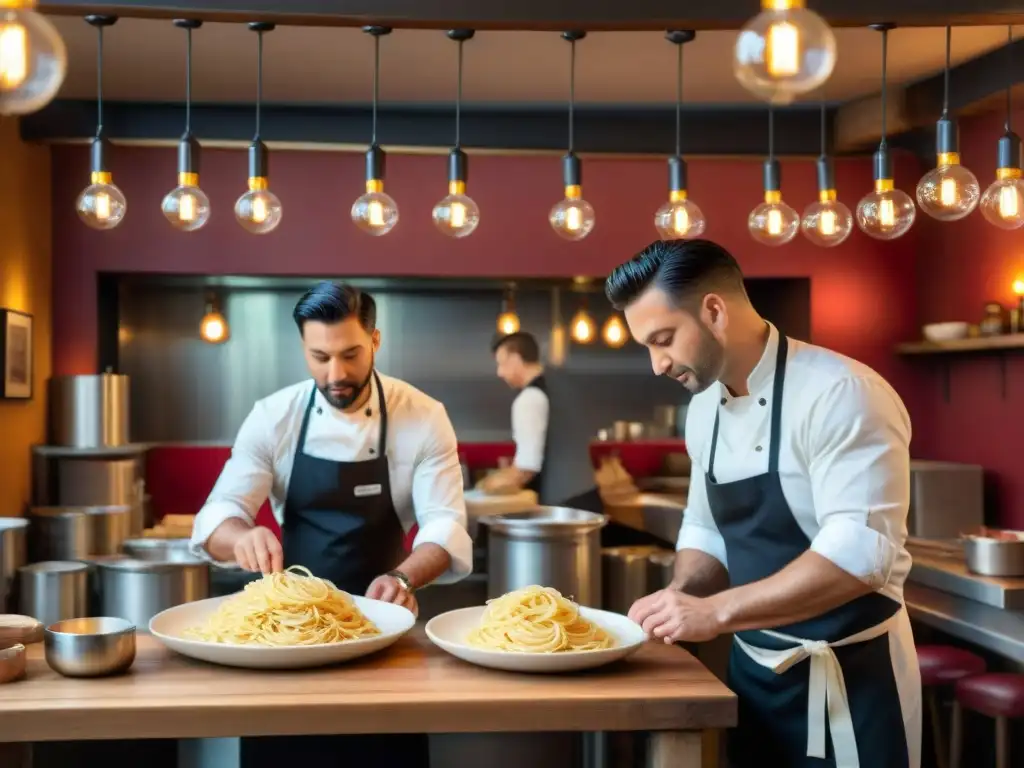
[(1003, 202), (186, 206), (582, 328), (784, 51), (949, 191), (457, 214), (827, 222), (679, 218), (101, 205), (375, 211), (213, 328), (572, 217), (508, 320), (614, 331), (773, 222), (259, 209), (33, 58), (886, 213)]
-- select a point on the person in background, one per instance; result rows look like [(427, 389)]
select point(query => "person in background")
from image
[(794, 532), (519, 366), (350, 460)]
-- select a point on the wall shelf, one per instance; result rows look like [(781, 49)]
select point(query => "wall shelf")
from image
[(978, 345)]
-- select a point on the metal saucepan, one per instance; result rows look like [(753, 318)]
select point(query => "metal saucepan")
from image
[(994, 552)]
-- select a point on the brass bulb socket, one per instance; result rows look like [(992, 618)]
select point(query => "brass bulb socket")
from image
[(677, 195), (773, 196), (374, 186), (101, 177), (827, 196), (258, 183), (456, 187), (948, 158), (1002, 174), (573, 191), (188, 179), (781, 5), (884, 185)]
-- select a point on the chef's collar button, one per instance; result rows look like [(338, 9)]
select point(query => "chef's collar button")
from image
[(762, 401), (724, 400), (369, 411), (757, 448), (373, 451), (319, 411)]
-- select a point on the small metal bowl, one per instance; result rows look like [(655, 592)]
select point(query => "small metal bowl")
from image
[(90, 647)]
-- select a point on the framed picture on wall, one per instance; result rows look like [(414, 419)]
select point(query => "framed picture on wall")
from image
[(16, 354)]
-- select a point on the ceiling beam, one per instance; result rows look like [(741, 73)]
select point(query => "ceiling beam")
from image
[(545, 14)]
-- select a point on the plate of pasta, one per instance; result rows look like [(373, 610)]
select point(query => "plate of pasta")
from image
[(285, 620), (535, 629)]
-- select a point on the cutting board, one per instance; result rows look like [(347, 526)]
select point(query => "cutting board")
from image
[(480, 504)]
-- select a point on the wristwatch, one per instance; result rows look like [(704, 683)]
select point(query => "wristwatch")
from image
[(402, 579)]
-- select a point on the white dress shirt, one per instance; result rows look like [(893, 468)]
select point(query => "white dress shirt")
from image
[(423, 463), (844, 459), (530, 428)]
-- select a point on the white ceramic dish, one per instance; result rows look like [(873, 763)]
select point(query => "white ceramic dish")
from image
[(169, 627), (449, 630), (945, 331)]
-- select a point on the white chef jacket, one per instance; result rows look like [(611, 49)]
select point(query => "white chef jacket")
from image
[(423, 463), (844, 461), (530, 428)]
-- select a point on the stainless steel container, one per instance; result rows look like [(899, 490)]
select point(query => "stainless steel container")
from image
[(90, 647), (13, 555), (994, 557), (53, 591), (110, 528), (137, 590), (59, 533), (166, 550), (89, 411), (93, 482), (555, 547), (661, 567), (624, 576)]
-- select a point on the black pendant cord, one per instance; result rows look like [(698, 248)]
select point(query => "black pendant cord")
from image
[(458, 103), (376, 87), (945, 79), (572, 94), (99, 81), (188, 82), (884, 143), (1009, 78), (259, 83), (679, 100), (824, 132), (771, 134)]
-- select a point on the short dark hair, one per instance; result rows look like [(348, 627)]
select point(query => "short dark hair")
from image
[(330, 303), (681, 268), (520, 343)]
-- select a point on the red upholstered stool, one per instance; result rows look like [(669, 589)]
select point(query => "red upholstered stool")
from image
[(1000, 696), (944, 665)]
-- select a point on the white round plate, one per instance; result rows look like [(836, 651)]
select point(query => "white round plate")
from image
[(169, 627), (449, 630)]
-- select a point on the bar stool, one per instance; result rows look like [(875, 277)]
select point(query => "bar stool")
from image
[(997, 695), (941, 666)]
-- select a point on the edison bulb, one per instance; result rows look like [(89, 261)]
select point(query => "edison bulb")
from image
[(886, 214), (1003, 203), (572, 218), (614, 332), (33, 60), (258, 211), (827, 223), (214, 328), (784, 51), (508, 323), (375, 212), (773, 223), (187, 208), (948, 192), (456, 215), (582, 328), (101, 206), (679, 219)]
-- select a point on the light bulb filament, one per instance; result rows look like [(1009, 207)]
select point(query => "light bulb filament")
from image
[(947, 193), (680, 221), (508, 322), (774, 222), (458, 215), (886, 213), (213, 328), (581, 330), (573, 218), (375, 213), (13, 55), (827, 223), (187, 208), (102, 206), (259, 210), (783, 50), (1009, 203)]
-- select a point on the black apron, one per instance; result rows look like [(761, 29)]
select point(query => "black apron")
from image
[(536, 483), (761, 538), (340, 522)]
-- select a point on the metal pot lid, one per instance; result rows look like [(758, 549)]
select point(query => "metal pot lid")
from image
[(546, 522), (133, 565), (12, 523), (156, 542)]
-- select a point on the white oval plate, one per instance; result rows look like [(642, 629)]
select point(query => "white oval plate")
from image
[(449, 630), (169, 627)]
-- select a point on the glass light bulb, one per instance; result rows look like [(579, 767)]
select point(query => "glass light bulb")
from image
[(508, 322), (1003, 203), (375, 212), (582, 327), (948, 192), (187, 208), (827, 223), (214, 328), (101, 206), (258, 211), (784, 51), (456, 215), (679, 219), (572, 218), (33, 61), (614, 332), (886, 214), (773, 223)]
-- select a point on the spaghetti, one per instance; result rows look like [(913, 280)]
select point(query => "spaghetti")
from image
[(537, 620), (288, 608)]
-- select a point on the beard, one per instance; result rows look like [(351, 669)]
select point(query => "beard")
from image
[(706, 368), (355, 390)]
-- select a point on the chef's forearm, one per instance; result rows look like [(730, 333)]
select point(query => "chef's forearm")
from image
[(698, 573), (809, 586), (425, 564), (221, 544)]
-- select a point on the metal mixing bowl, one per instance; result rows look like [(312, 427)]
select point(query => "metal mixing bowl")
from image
[(90, 647)]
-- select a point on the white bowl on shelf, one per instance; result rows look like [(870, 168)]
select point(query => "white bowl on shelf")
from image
[(945, 331)]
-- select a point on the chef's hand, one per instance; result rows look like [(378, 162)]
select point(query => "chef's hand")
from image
[(676, 617), (259, 550), (390, 590)]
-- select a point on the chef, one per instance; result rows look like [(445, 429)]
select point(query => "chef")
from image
[(350, 460), (798, 503), (518, 358)]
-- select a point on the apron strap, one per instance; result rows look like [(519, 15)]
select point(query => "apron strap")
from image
[(382, 439), (305, 420)]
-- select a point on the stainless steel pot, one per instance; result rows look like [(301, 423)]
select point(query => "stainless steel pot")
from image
[(660, 569), (89, 411), (71, 533), (994, 557), (166, 550), (53, 591), (13, 555), (137, 590), (624, 576), (555, 547)]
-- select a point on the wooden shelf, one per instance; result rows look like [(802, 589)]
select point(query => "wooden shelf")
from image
[(1002, 343)]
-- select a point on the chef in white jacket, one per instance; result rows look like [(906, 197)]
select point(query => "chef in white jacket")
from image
[(793, 536), (350, 460)]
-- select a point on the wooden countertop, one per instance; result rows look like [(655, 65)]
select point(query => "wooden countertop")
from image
[(411, 687)]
